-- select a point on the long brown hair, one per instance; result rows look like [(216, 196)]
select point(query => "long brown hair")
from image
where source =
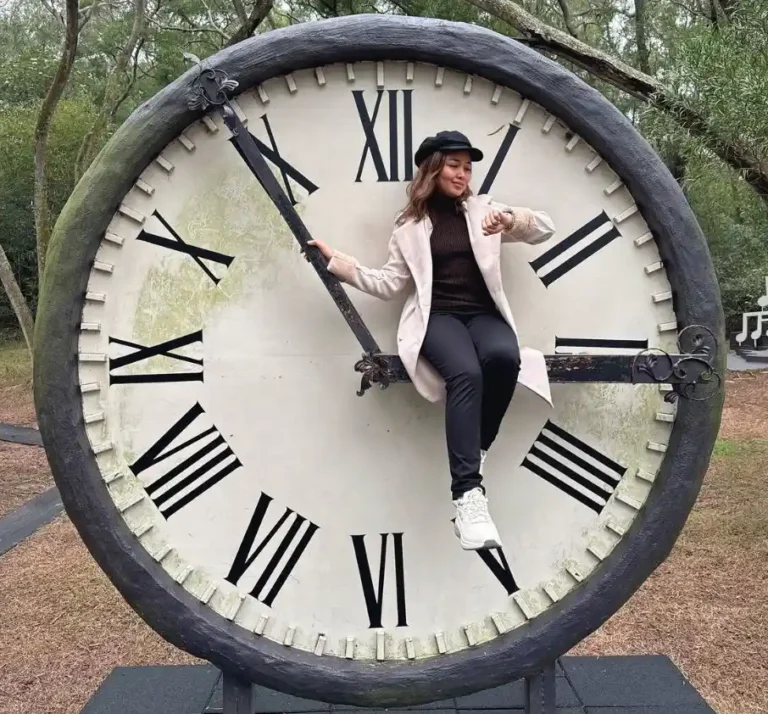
[(424, 184)]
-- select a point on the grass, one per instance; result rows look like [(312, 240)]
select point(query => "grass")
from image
[(15, 364)]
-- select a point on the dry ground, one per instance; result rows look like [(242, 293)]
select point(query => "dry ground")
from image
[(65, 627)]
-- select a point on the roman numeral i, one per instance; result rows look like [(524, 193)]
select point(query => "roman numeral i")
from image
[(374, 595), (574, 467), (390, 172), (295, 534), (208, 459)]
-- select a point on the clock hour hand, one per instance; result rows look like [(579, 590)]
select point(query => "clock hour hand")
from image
[(212, 87)]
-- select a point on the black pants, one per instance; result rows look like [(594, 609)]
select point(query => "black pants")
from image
[(479, 358)]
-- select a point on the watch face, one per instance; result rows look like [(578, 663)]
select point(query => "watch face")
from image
[(219, 393)]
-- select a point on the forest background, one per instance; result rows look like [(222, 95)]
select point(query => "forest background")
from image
[(692, 75)]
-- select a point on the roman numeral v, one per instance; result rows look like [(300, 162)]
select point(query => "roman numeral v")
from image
[(193, 473), (296, 532)]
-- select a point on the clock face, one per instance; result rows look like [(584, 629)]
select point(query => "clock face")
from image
[(219, 393)]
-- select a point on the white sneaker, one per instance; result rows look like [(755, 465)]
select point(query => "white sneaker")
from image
[(483, 454), (473, 524)]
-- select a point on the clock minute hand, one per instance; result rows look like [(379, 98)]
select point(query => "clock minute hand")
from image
[(211, 87)]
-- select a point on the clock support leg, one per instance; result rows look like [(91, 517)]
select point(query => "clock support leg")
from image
[(540, 691), (237, 695)]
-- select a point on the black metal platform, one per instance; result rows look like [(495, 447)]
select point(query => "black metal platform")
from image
[(585, 685)]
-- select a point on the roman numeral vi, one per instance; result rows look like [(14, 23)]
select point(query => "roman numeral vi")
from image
[(374, 595), (371, 147), (574, 467), (200, 470), (296, 532)]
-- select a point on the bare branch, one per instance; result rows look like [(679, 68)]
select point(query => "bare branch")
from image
[(567, 18), (643, 56), (16, 299), (42, 128), (258, 12)]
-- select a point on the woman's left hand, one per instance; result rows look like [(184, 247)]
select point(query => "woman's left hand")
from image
[(496, 222)]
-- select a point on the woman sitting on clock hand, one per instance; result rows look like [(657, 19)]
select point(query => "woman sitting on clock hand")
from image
[(466, 340)]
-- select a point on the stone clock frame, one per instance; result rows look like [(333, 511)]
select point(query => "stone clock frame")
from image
[(176, 614)]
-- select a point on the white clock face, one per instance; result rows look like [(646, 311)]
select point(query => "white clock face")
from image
[(219, 390)]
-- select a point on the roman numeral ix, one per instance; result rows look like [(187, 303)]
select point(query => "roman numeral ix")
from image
[(194, 473), (295, 532), (164, 349), (272, 154), (545, 265), (195, 252), (374, 595), (575, 468), (371, 147)]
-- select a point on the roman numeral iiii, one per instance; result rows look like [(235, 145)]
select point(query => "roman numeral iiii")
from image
[(544, 264), (374, 595), (205, 459), (397, 131), (291, 533), (574, 467), (195, 252)]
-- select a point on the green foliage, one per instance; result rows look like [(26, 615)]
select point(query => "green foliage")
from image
[(17, 226)]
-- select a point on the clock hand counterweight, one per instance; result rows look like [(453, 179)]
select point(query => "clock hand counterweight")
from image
[(211, 87)]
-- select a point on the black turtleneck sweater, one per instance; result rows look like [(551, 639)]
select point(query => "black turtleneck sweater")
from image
[(457, 283)]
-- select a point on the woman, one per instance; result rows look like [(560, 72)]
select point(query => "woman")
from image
[(443, 247)]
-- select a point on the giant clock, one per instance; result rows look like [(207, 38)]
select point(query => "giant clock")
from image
[(198, 388)]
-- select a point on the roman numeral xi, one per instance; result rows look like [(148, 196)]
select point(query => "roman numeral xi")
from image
[(202, 460), (574, 467)]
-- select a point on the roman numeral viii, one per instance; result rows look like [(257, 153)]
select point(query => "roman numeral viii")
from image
[(397, 131), (203, 459), (374, 595), (176, 243), (577, 469), (164, 349), (589, 239), (295, 533)]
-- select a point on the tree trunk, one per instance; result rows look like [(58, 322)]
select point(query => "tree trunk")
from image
[(112, 94), (731, 149), (42, 128), (643, 56), (16, 298), (258, 12)]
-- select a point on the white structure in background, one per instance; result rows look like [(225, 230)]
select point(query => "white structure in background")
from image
[(761, 318)]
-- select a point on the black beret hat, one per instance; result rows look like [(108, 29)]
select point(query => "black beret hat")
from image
[(446, 141)]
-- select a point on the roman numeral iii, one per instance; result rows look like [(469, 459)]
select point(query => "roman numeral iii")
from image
[(589, 243), (291, 535), (397, 131), (374, 595), (574, 467), (164, 349), (195, 252), (204, 459)]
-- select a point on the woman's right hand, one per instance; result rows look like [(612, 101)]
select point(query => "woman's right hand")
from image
[(324, 248)]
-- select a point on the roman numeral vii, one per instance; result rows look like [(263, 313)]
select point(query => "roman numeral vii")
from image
[(574, 467), (291, 533), (404, 130), (204, 459), (374, 595)]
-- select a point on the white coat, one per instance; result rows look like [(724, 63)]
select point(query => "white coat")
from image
[(409, 267)]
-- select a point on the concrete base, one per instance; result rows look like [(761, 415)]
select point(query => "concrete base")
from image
[(585, 685)]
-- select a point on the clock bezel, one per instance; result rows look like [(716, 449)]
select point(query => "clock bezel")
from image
[(176, 614)]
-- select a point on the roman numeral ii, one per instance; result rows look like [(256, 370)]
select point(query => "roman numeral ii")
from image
[(397, 131), (296, 533), (374, 595), (574, 467), (204, 460)]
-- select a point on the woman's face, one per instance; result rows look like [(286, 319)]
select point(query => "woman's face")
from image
[(456, 173)]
